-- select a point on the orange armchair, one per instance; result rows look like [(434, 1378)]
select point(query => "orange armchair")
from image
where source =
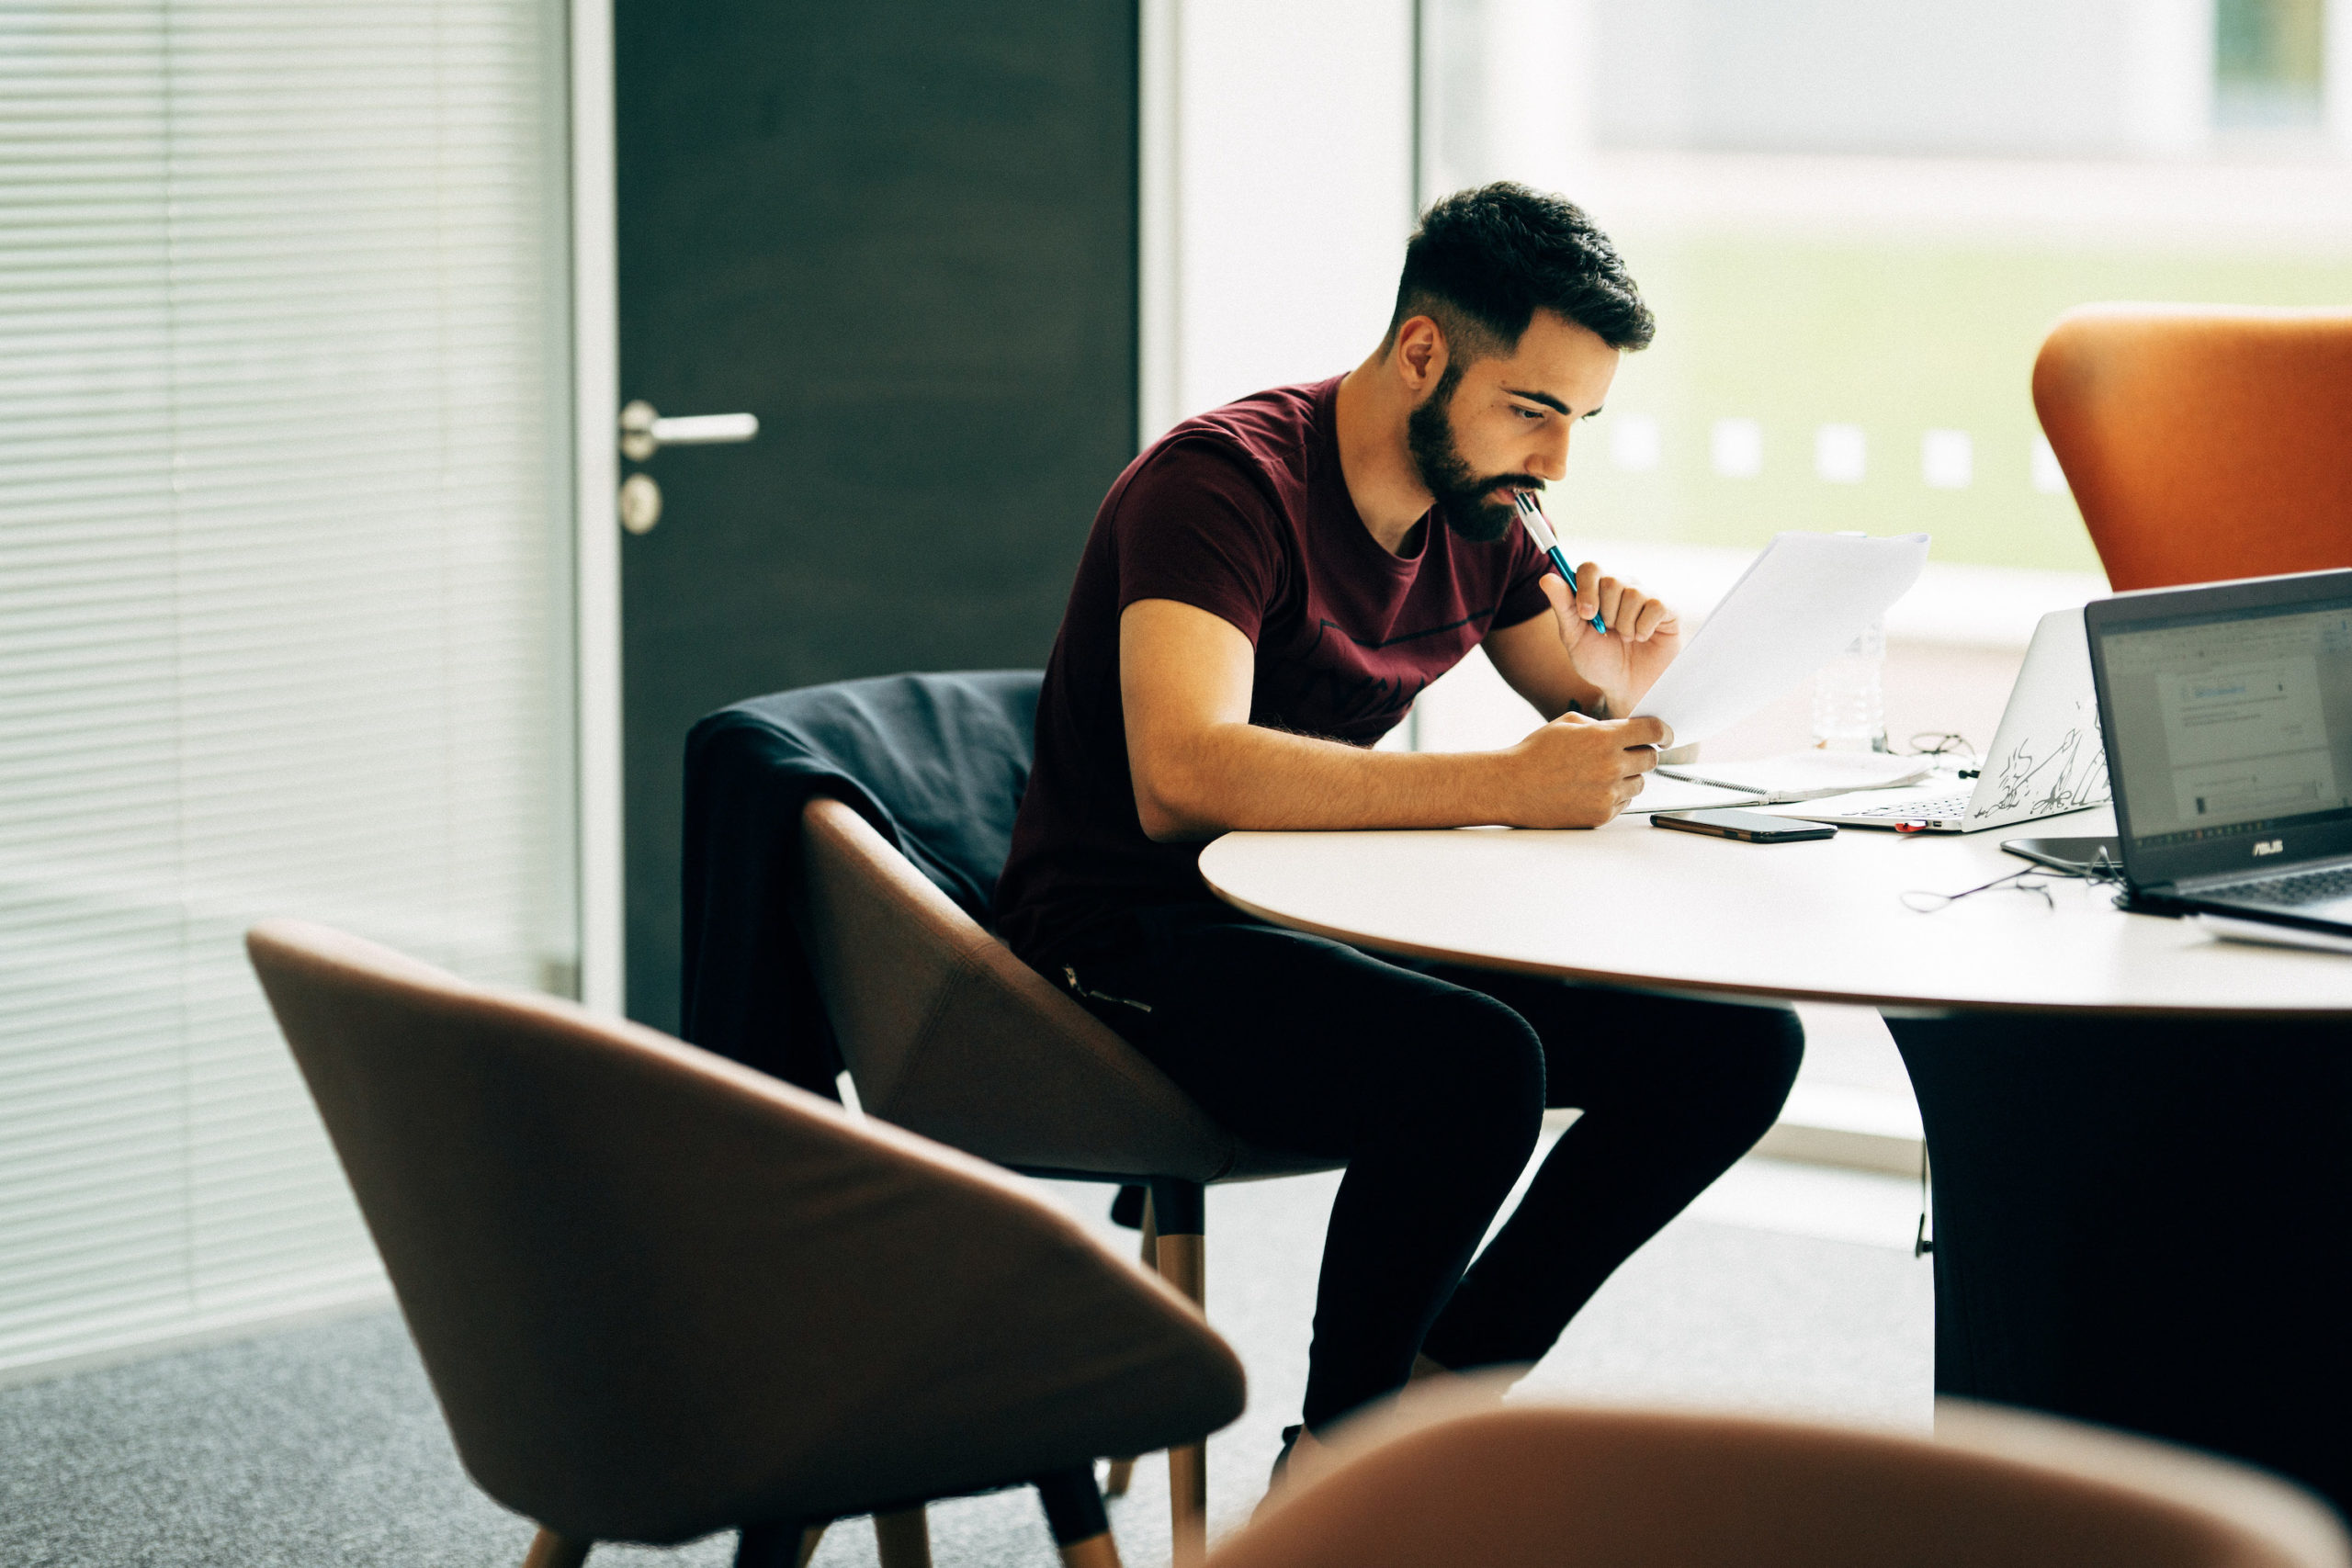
[(2203, 442)]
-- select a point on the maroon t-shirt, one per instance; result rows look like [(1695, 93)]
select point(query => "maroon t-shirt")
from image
[(1244, 513)]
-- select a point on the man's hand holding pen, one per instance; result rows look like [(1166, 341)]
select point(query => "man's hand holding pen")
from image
[(1624, 661)]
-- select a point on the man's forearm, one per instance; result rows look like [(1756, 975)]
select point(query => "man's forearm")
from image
[(1231, 776)]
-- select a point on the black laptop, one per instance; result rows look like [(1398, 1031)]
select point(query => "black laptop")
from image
[(2228, 715)]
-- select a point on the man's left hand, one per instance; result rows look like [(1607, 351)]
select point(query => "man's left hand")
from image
[(1624, 661)]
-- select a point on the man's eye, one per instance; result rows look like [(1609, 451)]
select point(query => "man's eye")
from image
[(1532, 416)]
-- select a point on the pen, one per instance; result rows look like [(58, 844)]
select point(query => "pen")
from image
[(1539, 528)]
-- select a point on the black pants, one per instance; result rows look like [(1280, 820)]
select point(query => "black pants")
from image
[(1431, 1081)]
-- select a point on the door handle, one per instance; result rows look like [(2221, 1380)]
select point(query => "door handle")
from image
[(644, 431)]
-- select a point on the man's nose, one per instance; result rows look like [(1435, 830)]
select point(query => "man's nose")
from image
[(1549, 461)]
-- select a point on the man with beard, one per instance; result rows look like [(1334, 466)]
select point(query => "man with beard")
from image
[(1264, 593)]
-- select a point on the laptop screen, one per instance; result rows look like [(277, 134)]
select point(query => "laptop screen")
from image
[(2235, 724)]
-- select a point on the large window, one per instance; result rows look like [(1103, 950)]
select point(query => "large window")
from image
[(1858, 221), (284, 494), (2270, 66)]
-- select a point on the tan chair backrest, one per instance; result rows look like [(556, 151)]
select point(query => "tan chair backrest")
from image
[(945, 1031), (2204, 444), (660, 1295), (1646, 1489)]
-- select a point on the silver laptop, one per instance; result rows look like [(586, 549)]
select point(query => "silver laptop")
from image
[(2046, 758), (2228, 709)]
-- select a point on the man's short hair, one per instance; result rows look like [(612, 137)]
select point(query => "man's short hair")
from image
[(1482, 261)]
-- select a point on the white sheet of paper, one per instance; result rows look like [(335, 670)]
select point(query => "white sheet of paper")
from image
[(1809, 775), (1804, 598)]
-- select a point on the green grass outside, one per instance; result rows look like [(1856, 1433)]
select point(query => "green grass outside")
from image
[(1898, 338)]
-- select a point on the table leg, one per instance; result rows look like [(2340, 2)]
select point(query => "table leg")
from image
[(2147, 1224)]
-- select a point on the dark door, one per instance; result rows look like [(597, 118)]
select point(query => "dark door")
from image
[(902, 234)]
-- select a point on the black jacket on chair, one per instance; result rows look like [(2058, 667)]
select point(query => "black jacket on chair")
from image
[(936, 763)]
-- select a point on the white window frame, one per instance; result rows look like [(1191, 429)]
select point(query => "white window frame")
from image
[(595, 316)]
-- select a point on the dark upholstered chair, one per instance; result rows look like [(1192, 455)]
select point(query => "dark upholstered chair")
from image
[(944, 1032), (2203, 442), (1524, 1484), (660, 1295)]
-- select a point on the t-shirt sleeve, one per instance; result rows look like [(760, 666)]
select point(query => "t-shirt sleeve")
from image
[(1196, 526), (1522, 587)]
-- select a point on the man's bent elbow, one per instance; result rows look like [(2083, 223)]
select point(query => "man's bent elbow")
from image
[(1160, 828), (1162, 823), (1168, 815)]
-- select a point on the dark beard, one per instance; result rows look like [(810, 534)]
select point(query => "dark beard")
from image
[(1461, 494)]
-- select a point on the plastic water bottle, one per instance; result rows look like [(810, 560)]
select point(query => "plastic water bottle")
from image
[(1849, 697)]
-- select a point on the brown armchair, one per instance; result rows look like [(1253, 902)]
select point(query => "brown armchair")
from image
[(1528, 1484), (946, 1033), (660, 1295)]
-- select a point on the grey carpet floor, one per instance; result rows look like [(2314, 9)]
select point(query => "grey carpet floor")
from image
[(322, 1444)]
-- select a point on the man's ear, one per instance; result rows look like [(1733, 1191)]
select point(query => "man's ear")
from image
[(1419, 354)]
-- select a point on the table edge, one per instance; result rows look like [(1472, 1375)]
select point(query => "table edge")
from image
[(1705, 990)]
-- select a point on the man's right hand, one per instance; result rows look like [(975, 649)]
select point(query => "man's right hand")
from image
[(1579, 772)]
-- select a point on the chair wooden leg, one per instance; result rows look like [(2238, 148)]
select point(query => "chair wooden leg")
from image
[(903, 1538), (549, 1549), (1074, 1514), (1123, 1469), (1188, 1505), (1183, 1263)]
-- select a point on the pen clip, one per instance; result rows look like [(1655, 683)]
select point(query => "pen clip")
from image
[(1539, 527)]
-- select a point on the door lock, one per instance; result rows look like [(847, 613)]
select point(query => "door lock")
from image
[(640, 504), (644, 431)]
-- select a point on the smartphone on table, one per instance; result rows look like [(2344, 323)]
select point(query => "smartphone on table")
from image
[(1747, 827)]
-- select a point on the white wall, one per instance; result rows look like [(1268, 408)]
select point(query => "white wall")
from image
[(1506, 94), (1278, 191)]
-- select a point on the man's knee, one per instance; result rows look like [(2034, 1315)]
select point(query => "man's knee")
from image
[(1777, 1053), (1743, 1062), (1475, 1070), (1705, 1064)]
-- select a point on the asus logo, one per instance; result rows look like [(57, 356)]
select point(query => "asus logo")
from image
[(2270, 847)]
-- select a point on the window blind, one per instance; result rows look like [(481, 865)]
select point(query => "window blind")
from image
[(284, 502)]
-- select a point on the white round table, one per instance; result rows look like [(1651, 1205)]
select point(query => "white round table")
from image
[(1822, 921), (2142, 1137)]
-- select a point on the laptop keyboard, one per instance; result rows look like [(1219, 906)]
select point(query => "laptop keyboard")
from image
[(1918, 810), (2303, 887)]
